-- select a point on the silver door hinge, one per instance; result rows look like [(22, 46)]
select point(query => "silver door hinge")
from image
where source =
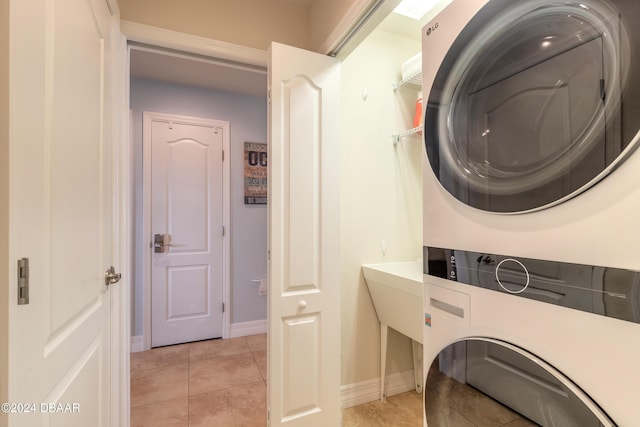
[(223, 307), (223, 155), (223, 230), (23, 281)]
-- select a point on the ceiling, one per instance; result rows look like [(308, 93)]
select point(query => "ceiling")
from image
[(197, 71), (179, 68)]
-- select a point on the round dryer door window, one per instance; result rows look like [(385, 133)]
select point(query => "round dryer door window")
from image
[(532, 104), (484, 381)]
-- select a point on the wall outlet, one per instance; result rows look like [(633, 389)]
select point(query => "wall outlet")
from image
[(262, 290)]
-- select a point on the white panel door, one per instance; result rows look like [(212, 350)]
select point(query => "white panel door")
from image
[(304, 239), (61, 211), (186, 190)]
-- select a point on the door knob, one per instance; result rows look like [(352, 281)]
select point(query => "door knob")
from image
[(111, 277), (303, 304)]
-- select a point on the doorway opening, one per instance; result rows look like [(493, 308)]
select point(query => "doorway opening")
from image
[(169, 82), (177, 83)]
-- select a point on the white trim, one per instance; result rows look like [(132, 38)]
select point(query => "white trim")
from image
[(248, 328), (146, 209), (365, 28), (155, 36), (199, 58), (357, 9), (243, 329), (120, 292), (137, 343), (369, 390), (114, 8), (359, 393)]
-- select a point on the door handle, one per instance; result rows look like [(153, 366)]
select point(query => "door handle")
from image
[(159, 246), (111, 277)]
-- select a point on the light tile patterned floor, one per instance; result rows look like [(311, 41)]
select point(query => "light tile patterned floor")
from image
[(207, 383), (401, 410), (222, 383)]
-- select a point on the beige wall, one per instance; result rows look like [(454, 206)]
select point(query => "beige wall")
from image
[(381, 195), (4, 203), (253, 23)]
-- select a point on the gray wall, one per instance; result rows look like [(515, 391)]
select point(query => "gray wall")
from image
[(247, 116)]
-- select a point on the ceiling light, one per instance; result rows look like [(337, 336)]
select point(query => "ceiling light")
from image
[(415, 9)]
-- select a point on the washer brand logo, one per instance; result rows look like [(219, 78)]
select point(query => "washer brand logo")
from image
[(432, 29)]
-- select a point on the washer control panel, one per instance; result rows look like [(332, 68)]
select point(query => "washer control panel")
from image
[(602, 290)]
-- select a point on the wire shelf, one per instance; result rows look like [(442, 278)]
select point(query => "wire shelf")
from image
[(414, 79), (396, 137)]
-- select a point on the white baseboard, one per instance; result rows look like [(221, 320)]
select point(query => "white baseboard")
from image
[(237, 330), (368, 391), (248, 328), (137, 343)]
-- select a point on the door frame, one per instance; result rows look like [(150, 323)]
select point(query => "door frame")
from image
[(121, 294), (170, 42), (146, 218)]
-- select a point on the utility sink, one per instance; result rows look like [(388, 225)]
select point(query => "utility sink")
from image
[(397, 292), (396, 289)]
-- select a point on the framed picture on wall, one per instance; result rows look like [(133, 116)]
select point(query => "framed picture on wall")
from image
[(255, 173)]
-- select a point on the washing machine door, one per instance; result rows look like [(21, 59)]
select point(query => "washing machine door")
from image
[(484, 381), (532, 103)]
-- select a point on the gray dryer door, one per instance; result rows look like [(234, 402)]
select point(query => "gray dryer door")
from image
[(484, 381), (531, 105)]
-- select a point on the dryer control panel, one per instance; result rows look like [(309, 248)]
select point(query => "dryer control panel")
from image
[(607, 291)]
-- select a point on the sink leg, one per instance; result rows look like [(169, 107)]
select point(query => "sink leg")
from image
[(384, 329), (417, 365)]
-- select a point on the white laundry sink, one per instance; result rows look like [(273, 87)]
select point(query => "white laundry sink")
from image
[(396, 289), (397, 292)]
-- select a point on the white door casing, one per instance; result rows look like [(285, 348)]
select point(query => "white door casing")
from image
[(184, 180), (62, 57), (304, 239)]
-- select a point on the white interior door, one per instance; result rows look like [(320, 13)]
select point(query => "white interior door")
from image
[(61, 211), (304, 239), (186, 230)]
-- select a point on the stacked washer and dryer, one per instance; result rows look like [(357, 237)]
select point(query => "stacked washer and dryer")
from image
[(532, 213)]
